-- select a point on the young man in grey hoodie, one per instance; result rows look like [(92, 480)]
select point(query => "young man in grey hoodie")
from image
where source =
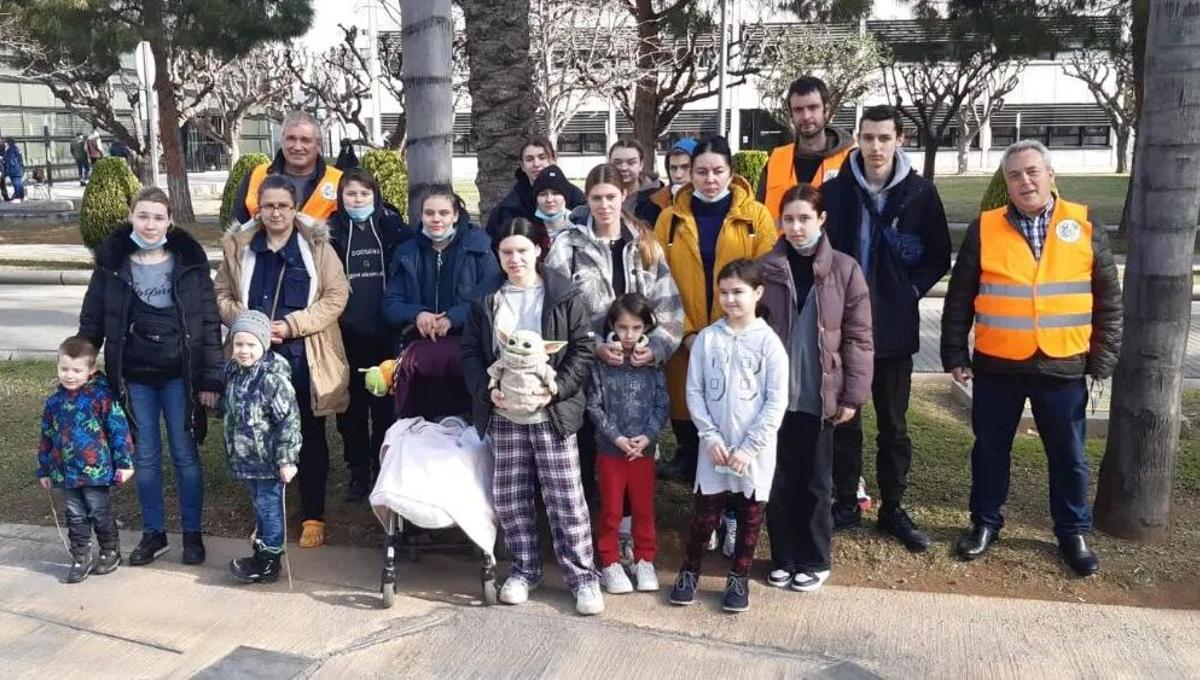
[(889, 218)]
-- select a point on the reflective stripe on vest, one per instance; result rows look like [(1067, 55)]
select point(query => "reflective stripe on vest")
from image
[(1026, 305), (781, 173), (320, 204)]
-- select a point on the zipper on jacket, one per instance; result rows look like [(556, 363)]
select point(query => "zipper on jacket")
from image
[(437, 284)]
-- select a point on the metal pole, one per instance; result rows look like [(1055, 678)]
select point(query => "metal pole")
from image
[(721, 97), (373, 64), (49, 151)]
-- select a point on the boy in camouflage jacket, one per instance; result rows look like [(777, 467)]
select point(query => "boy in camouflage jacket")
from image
[(262, 438), (85, 448)]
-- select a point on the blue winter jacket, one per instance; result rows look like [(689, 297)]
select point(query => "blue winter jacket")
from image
[(14, 163), (85, 436), (424, 280)]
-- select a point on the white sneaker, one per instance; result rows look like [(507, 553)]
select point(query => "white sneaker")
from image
[(615, 580), (712, 542), (809, 582), (647, 578), (516, 591), (779, 578), (588, 600), (730, 536), (625, 550)]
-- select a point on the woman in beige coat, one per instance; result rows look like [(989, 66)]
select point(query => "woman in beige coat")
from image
[(288, 271)]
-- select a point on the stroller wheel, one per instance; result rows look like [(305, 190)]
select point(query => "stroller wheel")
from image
[(489, 592), (388, 591)]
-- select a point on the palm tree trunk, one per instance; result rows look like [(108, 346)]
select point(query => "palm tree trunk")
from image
[(1136, 478), (427, 34), (503, 105)]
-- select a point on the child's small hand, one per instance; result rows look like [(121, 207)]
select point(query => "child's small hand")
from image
[(124, 475), (623, 444), (45, 482), (642, 356), (718, 454), (739, 461), (286, 473), (641, 442), (498, 399)]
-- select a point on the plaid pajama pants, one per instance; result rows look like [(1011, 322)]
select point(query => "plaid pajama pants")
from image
[(523, 452), (707, 513)]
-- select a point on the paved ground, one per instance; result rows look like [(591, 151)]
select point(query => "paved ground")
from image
[(166, 620)]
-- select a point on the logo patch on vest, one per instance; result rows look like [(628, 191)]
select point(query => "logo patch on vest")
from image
[(829, 174), (1068, 231), (328, 191)]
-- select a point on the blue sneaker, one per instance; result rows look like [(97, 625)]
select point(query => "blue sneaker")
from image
[(737, 594), (684, 592)]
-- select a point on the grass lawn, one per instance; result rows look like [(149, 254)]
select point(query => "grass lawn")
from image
[(1105, 194), (1024, 564)]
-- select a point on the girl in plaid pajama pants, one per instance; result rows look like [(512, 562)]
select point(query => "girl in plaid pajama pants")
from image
[(539, 445)]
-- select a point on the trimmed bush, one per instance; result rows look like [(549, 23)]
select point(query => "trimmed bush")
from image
[(106, 200), (996, 194), (750, 165), (238, 172), (386, 166)]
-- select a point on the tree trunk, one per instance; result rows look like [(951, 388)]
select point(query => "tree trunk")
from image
[(233, 140), (427, 38), (1136, 478), (400, 132), (931, 151), (1122, 150), (645, 94), (501, 88), (1141, 19), (168, 114), (964, 150)]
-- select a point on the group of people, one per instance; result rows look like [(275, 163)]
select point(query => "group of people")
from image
[(85, 151), (758, 326)]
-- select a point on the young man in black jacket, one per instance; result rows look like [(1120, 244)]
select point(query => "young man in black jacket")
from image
[(537, 154), (889, 218)]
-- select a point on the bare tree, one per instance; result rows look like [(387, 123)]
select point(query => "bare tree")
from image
[(1109, 77), (980, 104), (1133, 499), (849, 65), (338, 81), (578, 50)]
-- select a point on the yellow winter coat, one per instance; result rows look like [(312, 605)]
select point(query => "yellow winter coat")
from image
[(748, 231)]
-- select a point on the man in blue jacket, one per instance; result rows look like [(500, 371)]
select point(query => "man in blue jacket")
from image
[(892, 221)]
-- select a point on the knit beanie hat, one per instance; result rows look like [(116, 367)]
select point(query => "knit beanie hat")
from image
[(255, 323), (552, 178)]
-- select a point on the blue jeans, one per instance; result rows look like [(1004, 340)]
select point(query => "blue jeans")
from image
[(267, 495), (149, 405), (1059, 410), (88, 508), (18, 187)]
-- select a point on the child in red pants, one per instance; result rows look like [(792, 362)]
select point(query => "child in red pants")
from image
[(628, 404)]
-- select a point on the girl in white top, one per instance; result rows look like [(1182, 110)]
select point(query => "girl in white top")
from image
[(737, 392)]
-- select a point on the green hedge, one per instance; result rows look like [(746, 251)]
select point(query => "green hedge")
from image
[(239, 171), (106, 200), (386, 166), (750, 165)]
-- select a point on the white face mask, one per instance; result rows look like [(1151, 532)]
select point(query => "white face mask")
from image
[(807, 247), (444, 236), (715, 199)]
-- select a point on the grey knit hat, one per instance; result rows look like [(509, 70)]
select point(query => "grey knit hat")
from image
[(255, 323)]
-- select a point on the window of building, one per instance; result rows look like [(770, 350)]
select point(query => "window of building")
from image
[(1065, 135), (1095, 135), (1003, 136), (581, 143)]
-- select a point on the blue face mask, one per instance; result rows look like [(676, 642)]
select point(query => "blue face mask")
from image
[(146, 245), (446, 235), (807, 247), (360, 214), (547, 217)]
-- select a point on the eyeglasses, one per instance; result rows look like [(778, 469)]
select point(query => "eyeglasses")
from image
[(277, 207)]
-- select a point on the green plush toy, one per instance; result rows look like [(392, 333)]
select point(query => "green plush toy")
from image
[(378, 379)]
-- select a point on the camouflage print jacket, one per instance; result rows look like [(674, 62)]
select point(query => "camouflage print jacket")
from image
[(262, 419)]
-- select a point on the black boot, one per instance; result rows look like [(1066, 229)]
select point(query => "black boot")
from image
[(846, 515), (83, 560), (360, 485), (1078, 555), (151, 547), (261, 567), (894, 521), (976, 542), (193, 547), (110, 559)]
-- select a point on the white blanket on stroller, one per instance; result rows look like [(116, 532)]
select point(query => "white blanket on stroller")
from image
[(437, 475)]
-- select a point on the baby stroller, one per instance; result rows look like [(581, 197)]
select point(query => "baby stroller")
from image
[(435, 472)]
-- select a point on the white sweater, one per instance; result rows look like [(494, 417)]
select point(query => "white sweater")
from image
[(737, 392)]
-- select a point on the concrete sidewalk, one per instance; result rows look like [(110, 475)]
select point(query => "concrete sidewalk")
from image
[(167, 620)]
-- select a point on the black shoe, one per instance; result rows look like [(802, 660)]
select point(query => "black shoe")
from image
[(193, 547), (1079, 557), (82, 563), (894, 521), (359, 487), (846, 516), (261, 567), (152, 546), (684, 592), (737, 594), (976, 542), (108, 562)]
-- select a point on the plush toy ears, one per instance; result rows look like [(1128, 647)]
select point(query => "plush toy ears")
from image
[(503, 337), (552, 346)]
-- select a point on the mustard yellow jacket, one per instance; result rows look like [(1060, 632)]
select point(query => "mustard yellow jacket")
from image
[(748, 231)]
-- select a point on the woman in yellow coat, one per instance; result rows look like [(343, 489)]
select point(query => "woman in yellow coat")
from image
[(710, 223)]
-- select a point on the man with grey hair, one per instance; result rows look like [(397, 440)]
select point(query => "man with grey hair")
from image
[(299, 161), (1037, 280)]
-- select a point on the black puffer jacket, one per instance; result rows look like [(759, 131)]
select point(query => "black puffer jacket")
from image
[(521, 202), (564, 317), (958, 315), (104, 318)]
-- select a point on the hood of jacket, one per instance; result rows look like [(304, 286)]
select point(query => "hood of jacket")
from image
[(740, 204), (558, 287), (270, 363), (316, 232), (900, 171), (775, 266), (467, 237), (757, 328), (116, 249), (842, 140)]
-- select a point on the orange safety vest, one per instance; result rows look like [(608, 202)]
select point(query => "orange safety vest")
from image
[(320, 204), (1025, 305), (781, 173)]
